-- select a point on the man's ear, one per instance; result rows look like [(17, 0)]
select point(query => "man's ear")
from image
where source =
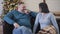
[(16, 8)]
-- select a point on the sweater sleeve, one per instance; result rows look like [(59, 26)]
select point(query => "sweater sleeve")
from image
[(54, 22), (36, 23), (33, 14), (8, 18)]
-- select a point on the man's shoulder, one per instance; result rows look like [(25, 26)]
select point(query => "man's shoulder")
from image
[(13, 11)]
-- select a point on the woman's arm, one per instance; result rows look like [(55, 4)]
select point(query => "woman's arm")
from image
[(53, 19), (36, 23)]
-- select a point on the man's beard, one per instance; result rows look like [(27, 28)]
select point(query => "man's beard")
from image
[(23, 10)]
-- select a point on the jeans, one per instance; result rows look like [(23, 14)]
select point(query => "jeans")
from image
[(22, 30)]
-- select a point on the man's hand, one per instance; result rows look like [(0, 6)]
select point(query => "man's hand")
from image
[(16, 25), (27, 11)]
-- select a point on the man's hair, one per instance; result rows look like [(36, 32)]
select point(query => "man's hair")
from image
[(21, 3)]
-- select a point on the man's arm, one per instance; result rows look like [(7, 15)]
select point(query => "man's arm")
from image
[(8, 18), (33, 14)]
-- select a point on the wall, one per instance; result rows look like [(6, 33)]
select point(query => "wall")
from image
[(32, 4), (1, 7), (54, 5)]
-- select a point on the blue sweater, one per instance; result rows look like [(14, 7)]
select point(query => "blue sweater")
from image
[(45, 20), (21, 18)]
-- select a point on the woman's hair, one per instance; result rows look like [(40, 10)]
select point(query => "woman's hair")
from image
[(44, 7)]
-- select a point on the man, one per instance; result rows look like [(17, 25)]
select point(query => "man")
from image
[(20, 18)]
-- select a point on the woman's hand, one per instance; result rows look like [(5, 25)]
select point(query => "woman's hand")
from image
[(16, 25)]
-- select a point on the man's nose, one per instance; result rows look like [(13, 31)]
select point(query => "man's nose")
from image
[(24, 6)]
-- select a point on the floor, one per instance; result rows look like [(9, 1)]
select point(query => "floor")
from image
[(1, 29)]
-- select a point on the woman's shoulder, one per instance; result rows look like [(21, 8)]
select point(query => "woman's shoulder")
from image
[(39, 14), (51, 14), (48, 13)]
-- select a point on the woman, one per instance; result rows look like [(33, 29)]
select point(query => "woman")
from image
[(45, 19)]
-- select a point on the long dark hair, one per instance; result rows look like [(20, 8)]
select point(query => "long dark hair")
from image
[(44, 8)]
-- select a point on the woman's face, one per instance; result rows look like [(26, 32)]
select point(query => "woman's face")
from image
[(40, 9)]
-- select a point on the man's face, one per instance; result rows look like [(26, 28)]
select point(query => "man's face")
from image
[(22, 7)]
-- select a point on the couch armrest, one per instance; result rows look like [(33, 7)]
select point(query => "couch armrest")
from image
[(7, 28)]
